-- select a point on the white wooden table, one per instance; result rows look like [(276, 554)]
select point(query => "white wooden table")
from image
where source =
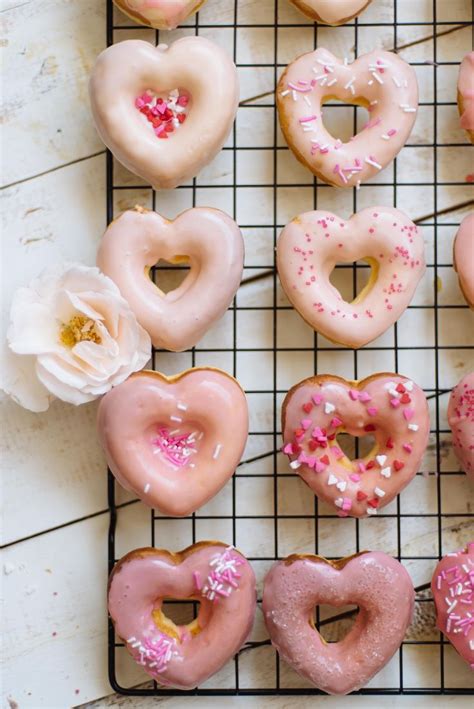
[(55, 516)]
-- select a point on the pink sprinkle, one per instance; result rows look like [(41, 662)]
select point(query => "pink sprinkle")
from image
[(159, 129), (407, 447), (372, 411), (306, 423), (183, 101), (391, 132), (347, 503), (395, 403), (408, 413), (364, 396), (308, 119), (336, 422), (338, 454), (295, 87), (139, 102), (197, 580), (317, 398), (354, 394), (362, 467), (146, 98), (320, 467), (288, 449), (161, 107), (355, 477)]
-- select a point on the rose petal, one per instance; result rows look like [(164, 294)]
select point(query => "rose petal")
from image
[(62, 390), (33, 330), (19, 381)]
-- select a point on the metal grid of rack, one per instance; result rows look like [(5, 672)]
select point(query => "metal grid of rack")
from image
[(262, 460)]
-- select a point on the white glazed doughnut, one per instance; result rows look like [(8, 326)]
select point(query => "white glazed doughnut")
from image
[(331, 12), (209, 240), (312, 244), (160, 14), (380, 81), (187, 93)]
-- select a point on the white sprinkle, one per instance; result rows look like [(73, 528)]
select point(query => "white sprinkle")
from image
[(319, 76), (295, 465), (349, 83), (386, 472), (379, 492), (174, 432), (374, 103), (404, 105), (295, 97), (332, 82), (452, 607), (329, 408), (371, 511), (306, 99), (341, 485), (182, 407), (369, 83), (385, 136), (132, 639), (332, 480), (217, 451), (369, 161), (326, 65), (324, 147), (438, 582), (389, 385), (413, 426), (201, 435), (471, 644), (285, 93), (192, 465), (308, 129), (408, 385), (394, 393), (339, 502), (377, 78), (396, 82), (146, 489), (409, 110), (380, 459), (324, 81), (176, 418), (357, 185)]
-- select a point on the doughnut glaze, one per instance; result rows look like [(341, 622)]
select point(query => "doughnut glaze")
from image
[(160, 14), (212, 244), (461, 422), (466, 94), (191, 78), (174, 441), (389, 407), (183, 656), (312, 244), (380, 81), (463, 258), (452, 587), (331, 12), (375, 582)]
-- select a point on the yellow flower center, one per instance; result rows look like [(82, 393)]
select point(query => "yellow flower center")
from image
[(79, 329)]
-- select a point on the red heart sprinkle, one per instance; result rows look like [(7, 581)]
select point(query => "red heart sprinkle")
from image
[(400, 388), (299, 432), (389, 443), (324, 459), (361, 496), (405, 399), (374, 502), (312, 444), (370, 464), (307, 407), (296, 448), (369, 427), (398, 465)]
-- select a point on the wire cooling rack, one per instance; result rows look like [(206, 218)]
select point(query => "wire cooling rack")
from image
[(265, 510)]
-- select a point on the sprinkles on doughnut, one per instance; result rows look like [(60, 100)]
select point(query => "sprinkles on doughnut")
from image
[(174, 441), (378, 584), (183, 656), (312, 244), (466, 94), (207, 239), (380, 81), (160, 14), (164, 112), (461, 422), (389, 407), (463, 258), (452, 587), (331, 12)]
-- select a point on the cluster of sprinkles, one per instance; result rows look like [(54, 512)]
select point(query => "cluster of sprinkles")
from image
[(323, 451), (324, 70), (164, 114), (154, 653), (459, 600), (177, 448), (223, 577)]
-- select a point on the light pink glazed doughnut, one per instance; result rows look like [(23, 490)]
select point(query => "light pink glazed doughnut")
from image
[(331, 12), (207, 239), (463, 258), (389, 407), (187, 93), (174, 441), (183, 656), (160, 14), (466, 94), (461, 422), (312, 244), (375, 582), (380, 81), (452, 587)]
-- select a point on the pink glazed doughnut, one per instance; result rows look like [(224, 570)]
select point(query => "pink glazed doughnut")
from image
[(174, 441), (164, 112), (466, 94), (463, 258), (207, 239), (312, 244), (331, 12), (183, 656), (380, 81), (461, 422), (452, 587), (160, 14), (375, 582), (389, 407)]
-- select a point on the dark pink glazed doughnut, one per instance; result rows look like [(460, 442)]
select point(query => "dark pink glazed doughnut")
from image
[(375, 582), (461, 422)]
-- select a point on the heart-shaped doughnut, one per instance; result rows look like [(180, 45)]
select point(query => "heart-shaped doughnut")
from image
[(389, 407), (380, 81), (312, 244), (187, 93), (466, 94), (463, 258), (453, 593), (174, 441), (461, 422), (160, 14), (183, 656), (212, 244), (331, 12), (375, 582)]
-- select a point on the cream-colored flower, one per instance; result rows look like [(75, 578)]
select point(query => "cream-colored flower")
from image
[(72, 336)]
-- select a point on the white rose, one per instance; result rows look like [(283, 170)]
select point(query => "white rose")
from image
[(72, 336)]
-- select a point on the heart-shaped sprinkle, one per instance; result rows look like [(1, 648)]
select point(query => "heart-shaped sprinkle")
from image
[(364, 397), (361, 496), (341, 485), (386, 472), (185, 459), (372, 411), (381, 459), (408, 414), (306, 423), (329, 408), (398, 465), (413, 426), (354, 394), (307, 407), (332, 480), (373, 581)]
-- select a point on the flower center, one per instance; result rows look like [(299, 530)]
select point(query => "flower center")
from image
[(79, 329), (166, 114)]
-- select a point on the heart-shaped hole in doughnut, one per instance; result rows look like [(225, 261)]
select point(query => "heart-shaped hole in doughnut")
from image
[(356, 447), (333, 624), (344, 120), (169, 275), (348, 280), (181, 619), (163, 112), (176, 442)]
